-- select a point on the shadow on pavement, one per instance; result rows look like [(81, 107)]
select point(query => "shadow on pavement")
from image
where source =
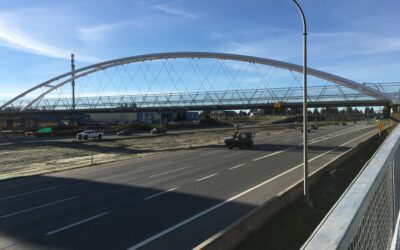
[(32, 207)]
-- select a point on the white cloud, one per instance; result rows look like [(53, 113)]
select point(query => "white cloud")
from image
[(365, 71), (13, 36), (346, 44), (173, 11), (277, 48), (100, 32), (355, 55), (287, 45)]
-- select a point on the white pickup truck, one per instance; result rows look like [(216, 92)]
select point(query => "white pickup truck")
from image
[(89, 134)]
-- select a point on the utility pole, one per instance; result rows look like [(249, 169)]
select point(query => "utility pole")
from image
[(305, 113), (73, 80)]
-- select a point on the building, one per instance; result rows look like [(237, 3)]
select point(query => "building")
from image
[(219, 114), (256, 113), (117, 117), (25, 121)]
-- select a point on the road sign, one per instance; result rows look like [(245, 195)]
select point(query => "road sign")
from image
[(277, 105)]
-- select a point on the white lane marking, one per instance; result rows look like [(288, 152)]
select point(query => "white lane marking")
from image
[(210, 153), (34, 208), (237, 166), (265, 156), (156, 164), (338, 156), (161, 193), (329, 151), (316, 140), (196, 216), (76, 223), (30, 192), (206, 177), (163, 173), (225, 156)]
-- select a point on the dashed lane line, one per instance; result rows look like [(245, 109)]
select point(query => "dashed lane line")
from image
[(324, 138), (31, 192), (167, 172), (34, 208), (206, 177), (196, 216), (238, 166), (161, 193), (76, 223)]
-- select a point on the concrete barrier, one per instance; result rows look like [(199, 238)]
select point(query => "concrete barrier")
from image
[(232, 236)]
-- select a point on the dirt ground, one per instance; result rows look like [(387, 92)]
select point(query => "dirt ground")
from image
[(22, 160)]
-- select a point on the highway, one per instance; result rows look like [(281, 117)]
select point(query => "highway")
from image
[(173, 200), (108, 136)]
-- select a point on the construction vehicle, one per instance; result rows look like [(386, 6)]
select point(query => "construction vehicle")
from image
[(240, 140)]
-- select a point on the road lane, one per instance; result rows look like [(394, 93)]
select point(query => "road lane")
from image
[(110, 190), (218, 218), (136, 174), (144, 174)]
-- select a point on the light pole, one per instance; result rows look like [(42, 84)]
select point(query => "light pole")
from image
[(73, 80), (305, 126)]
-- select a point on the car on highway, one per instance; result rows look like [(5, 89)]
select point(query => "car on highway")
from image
[(302, 130), (240, 140), (89, 134), (314, 126), (308, 129), (159, 131), (124, 133), (344, 123)]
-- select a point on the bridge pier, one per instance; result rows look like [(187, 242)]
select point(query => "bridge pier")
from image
[(395, 108)]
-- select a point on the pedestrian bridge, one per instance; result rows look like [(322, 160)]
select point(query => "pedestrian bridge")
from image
[(196, 81)]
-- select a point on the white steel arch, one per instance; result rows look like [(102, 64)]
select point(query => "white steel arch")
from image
[(67, 77)]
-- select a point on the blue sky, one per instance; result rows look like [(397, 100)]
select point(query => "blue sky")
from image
[(357, 39)]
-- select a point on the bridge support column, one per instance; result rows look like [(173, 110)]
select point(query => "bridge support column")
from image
[(394, 120), (395, 108)]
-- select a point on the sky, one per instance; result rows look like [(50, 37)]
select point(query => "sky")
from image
[(357, 39)]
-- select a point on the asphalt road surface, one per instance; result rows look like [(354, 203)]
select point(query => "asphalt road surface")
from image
[(174, 200)]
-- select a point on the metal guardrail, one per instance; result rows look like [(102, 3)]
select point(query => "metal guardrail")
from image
[(365, 215)]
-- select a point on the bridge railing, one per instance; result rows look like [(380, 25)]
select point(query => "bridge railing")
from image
[(365, 215), (206, 98)]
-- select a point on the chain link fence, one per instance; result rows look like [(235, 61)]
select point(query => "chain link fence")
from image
[(366, 214)]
